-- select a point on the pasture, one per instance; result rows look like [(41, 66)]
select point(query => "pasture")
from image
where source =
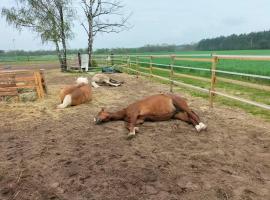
[(61, 154), (260, 68), (248, 79)]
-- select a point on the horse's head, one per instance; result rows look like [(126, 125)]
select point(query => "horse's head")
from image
[(102, 116)]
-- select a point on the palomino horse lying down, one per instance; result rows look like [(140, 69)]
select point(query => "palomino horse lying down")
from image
[(158, 107), (102, 78), (73, 95)]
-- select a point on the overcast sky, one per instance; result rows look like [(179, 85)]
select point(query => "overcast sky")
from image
[(160, 21)]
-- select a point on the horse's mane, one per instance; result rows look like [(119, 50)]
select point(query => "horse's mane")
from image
[(80, 85)]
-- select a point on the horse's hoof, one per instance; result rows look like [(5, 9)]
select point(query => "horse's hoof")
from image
[(136, 129), (203, 126), (198, 128), (130, 136)]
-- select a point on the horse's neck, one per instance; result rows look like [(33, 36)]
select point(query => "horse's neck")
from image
[(118, 115)]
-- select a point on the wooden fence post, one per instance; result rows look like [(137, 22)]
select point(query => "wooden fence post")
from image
[(107, 60), (43, 80), (40, 85), (112, 59), (171, 73), (128, 64), (151, 67), (213, 79), (37, 85), (137, 67)]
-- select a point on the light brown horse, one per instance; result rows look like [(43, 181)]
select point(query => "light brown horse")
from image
[(99, 79), (74, 95), (158, 107)]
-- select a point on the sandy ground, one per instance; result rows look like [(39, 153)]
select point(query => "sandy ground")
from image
[(51, 154)]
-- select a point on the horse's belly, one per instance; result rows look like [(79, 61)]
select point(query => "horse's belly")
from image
[(158, 110), (160, 117)]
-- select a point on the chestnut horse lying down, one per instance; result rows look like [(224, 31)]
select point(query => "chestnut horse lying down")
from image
[(158, 107), (102, 78), (73, 95)]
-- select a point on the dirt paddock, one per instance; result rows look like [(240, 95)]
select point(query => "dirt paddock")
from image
[(50, 154)]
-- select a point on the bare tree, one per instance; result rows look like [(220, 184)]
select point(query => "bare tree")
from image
[(51, 19), (98, 15)]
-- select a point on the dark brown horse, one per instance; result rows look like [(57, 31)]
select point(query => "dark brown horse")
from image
[(158, 107)]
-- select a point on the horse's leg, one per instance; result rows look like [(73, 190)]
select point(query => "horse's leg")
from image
[(94, 84), (139, 121), (194, 118), (112, 84), (183, 116), (66, 102), (116, 81), (131, 126), (113, 81)]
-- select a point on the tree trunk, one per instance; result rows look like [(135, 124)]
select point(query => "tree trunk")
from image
[(63, 39), (90, 41), (59, 56), (90, 52)]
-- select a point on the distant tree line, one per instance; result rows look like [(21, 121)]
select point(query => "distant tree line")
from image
[(38, 52), (148, 48), (254, 40)]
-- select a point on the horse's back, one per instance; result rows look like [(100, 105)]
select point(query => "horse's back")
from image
[(100, 78), (155, 106), (81, 95)]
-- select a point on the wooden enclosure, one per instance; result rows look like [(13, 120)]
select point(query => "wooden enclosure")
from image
[(134, 65), (13, 82)]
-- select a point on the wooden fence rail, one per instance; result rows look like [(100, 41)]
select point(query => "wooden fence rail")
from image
[(11, 81), (170, 68)]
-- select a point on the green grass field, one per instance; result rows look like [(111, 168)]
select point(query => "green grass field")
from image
[(252, 67), (25, 59), (249, 67)]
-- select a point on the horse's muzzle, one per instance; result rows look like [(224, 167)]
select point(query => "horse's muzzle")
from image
[(97, 121)]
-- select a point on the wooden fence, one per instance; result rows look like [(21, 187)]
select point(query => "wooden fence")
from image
[(131, 63), (11, 81)]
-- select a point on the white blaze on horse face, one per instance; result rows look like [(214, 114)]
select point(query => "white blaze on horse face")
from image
[(82, 80), (66, 102)]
